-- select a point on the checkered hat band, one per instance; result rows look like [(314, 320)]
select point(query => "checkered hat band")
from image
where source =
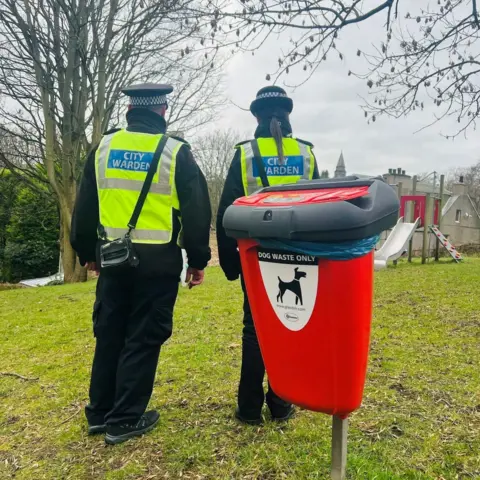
[(148, 101), (271, 95)]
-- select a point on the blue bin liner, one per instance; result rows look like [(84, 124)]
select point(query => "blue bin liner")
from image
[(335, 251)]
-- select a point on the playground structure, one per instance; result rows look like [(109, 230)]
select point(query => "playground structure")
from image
[(425, 214), (394, 246)]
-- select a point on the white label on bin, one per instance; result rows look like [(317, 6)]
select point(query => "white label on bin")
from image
[(291, 281)]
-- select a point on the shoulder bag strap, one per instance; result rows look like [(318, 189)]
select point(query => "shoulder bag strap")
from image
[(257, 158), (147, 183)]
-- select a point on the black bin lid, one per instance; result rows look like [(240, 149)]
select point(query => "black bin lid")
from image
[(358, 209)]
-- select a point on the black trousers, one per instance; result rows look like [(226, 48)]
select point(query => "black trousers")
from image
[(132, 318), (251, 395)]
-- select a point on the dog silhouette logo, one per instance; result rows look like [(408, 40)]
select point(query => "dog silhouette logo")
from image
[(293, 286)]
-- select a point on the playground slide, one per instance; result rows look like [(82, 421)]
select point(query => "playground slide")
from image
[(395, 244)]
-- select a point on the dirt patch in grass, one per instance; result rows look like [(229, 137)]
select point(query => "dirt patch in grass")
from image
[(10, 286)]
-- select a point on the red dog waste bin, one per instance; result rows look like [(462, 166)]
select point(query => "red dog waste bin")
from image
[(313, 313)]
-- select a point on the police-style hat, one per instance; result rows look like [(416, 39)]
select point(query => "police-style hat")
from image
[(271, 97), (148, 94)]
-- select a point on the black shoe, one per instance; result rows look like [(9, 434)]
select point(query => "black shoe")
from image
[(120, 433), (247, 421), (283, 417), (96, 429)]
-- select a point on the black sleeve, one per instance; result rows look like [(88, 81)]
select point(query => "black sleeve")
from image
[(195, 209), (83, 233), (227, 246), (316, 174)]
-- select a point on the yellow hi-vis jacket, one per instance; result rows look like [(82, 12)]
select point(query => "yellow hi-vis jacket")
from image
[(121, 163), (299, 163)]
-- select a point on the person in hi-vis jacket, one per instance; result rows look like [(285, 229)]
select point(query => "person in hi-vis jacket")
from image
[(133, 312), (286, 159)]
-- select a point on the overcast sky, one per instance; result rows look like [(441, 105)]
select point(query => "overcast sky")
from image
[(327, 112)]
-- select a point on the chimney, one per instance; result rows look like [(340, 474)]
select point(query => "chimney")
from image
[(399, 171), (459, 188), (403, 172)]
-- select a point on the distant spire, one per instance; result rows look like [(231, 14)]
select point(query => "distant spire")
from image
[(341, 171)]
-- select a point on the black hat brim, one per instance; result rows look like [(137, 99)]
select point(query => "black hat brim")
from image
[(260, 104), (147, 90)]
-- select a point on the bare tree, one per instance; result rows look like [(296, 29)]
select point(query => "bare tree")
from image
[(62, 64), (471, 178), (21, 156), (432, 59), (429, 55), (214, 153), (312, 26)]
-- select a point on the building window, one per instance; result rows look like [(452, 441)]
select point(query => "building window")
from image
[(458, 216)]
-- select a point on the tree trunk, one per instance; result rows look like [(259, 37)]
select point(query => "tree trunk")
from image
[(72, 270)]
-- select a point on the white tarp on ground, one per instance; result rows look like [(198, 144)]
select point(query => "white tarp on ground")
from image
[(41, 282)]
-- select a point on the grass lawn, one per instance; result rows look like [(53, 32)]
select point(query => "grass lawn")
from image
[(420, 418)]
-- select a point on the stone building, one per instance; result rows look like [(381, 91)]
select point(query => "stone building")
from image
[(460, 220)]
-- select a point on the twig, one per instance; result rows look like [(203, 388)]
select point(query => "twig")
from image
[(70, 417), (238, 106), (389, 14), (16, 375), (475, 12)]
